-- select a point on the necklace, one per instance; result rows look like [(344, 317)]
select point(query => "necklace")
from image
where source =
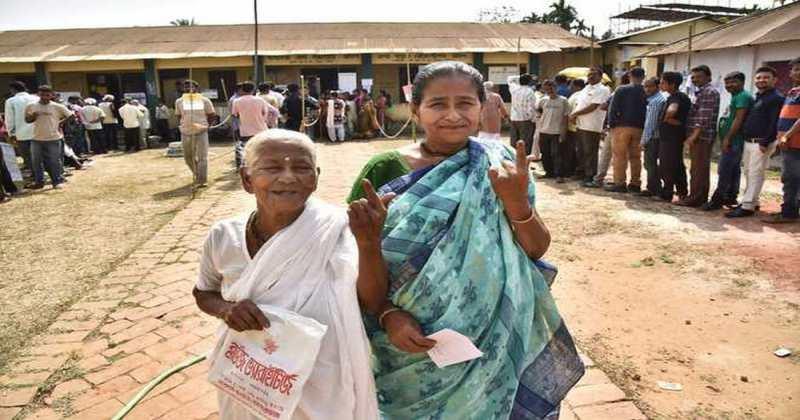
[(425, 148), (251, 227)]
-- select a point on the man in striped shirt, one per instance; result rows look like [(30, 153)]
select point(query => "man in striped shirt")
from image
[(650, 137), (702, 133), (789, 142)]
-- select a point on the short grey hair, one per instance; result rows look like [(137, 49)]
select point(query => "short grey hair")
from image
[(255, 146)]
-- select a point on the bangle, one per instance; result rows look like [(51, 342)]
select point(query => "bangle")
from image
[(386, 312), (522, 222)]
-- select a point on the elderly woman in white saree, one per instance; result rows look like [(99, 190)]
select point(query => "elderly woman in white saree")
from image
[(297, 253)]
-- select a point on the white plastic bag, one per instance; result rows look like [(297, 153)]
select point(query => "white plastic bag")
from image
[(264, 371)]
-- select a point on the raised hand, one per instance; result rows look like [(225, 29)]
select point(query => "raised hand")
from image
[(368, 214), (510, 183)]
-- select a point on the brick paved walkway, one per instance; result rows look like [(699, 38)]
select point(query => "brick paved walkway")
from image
[(141, 319)]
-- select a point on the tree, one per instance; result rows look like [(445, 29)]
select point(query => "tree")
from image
[(580, 28), (536, 18), (562, 14), (499, 14), (607, 35), (182, 22)]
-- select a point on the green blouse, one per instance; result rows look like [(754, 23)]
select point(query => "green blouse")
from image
[(381, 169)]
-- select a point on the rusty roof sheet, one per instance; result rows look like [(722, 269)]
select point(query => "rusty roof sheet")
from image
[(776, 25), (281, 39)]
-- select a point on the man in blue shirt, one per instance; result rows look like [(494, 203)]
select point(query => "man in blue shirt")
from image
[(760, 131), (650, 136)]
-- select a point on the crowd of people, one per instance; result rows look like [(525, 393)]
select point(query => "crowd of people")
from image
[(55, 135), (580, 129)]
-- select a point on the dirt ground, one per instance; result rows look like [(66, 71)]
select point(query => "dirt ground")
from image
[(56, 244), (661, 293)]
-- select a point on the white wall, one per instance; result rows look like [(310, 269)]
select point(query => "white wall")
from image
[(744, 59)]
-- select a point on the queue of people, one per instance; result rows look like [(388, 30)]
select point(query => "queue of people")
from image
[(651, 122), (54, 135)]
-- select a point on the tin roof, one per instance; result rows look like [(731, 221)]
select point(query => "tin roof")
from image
[(775, 25), (281, 39)]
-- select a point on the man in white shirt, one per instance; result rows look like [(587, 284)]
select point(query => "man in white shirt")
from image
[(194, 113), (93, 121), (130, 115), (590, 118), (17, 127), (109, 122), (144, 122), (523, 106)]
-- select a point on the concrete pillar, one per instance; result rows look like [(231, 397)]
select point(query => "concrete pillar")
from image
[(366, 68), (151, 88), (42, 76), (259, 66), (533, 64), (477, 62)]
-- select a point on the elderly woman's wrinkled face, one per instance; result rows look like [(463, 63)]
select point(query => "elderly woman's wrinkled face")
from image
[(282, 178)]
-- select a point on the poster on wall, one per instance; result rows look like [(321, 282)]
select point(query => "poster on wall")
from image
[(366, 84), (499, 74), (139, 96), (407, 89), (10, 159), (210, 93), (66, 95), (347, 82)]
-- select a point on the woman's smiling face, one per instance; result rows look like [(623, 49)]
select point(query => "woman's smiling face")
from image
[(282, 178), (450, 110)]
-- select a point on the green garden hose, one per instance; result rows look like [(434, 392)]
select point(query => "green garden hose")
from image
[(124, 411)]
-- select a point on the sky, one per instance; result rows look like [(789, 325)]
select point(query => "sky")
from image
[(52, 14)]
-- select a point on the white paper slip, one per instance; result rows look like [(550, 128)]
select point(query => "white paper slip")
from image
[(451, 348)]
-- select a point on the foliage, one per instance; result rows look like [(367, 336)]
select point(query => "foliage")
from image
[(560, 13), (182, 22)]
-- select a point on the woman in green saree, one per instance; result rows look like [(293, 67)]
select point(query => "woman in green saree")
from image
[(458, 247)]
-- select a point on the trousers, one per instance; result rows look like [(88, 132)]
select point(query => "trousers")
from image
[(671, 168), (590, 143), (700, 171), (522, 130), (47, 156), (627, 152), (195, 154), (755, 168)]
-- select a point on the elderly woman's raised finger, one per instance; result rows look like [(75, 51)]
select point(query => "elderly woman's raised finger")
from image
[(522, 157)]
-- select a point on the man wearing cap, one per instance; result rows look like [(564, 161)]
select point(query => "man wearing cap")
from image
[(194, 113), (93, 121)]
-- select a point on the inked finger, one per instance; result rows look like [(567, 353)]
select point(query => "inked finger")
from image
[(522, 157), (370, 194), (387, 198)]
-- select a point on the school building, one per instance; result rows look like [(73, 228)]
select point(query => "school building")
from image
[(147, 62)]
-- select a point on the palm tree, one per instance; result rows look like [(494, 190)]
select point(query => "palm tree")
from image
[(580, 27), (562, 14), (182, 22)]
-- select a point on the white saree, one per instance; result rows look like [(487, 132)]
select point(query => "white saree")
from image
[(309, 268)]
